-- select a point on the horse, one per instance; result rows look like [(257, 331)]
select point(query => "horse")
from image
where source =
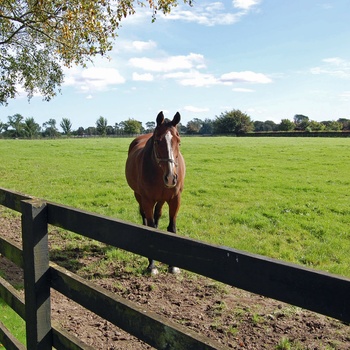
[(155, 171)]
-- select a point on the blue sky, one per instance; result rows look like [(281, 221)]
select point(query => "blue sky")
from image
[(270, 59)]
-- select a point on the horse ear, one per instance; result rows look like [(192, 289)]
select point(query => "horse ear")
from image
[(176, 119), (160, 118)]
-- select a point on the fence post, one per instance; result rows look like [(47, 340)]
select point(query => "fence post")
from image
[(36, 275)]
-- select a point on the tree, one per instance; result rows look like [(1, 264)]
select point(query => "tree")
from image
[(194, 125), (66, 126), (101, 126), (110, 130), (258, 125), (31, 128), (132, 126), (150, 126), (37, 37), (267, 125), (50, 128), (315, 126), (207, 127), (91, 130), (301, 122), (181, 128), (334, 125), (286, 125), (345, 123), (270, 125), (234, 121), (118, 128), (16, 125), (79, 131)]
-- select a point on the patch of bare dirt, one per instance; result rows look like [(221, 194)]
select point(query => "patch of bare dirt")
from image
[(235, 318)]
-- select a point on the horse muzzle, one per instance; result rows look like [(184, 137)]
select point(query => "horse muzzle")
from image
[(170, 180)]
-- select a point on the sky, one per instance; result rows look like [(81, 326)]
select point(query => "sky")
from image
[(271, 59)]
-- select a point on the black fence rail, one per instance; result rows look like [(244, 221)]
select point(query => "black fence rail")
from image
[(313, 290)]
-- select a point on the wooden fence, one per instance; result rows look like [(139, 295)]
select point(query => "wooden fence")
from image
[(313, 290)]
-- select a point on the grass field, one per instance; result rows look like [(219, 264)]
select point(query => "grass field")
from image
[(286, 198), (13, 322)]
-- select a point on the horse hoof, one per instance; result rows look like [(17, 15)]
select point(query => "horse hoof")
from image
[(174, 270), (152, 271)]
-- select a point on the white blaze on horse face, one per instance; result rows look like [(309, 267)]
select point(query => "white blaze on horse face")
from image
[(170, 178)]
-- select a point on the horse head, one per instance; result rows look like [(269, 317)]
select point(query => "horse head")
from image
[(166, 143)]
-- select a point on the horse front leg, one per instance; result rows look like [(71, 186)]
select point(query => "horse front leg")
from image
[(142, 213), (158, 212), (174, 206), (148, 218)]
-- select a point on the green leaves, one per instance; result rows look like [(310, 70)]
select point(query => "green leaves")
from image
[(38, 37), (35, 69), (234, 121)]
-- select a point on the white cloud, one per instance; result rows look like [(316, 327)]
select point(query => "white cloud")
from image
[(345, 96), (142, 13), (201, 16), (144, 45), (168, 64), (198, 79), (186, 70), (194, 109), (242, 90), (245, 77), (202, 13), (142, 77), (210, 14), (245, 4), (193, 78), (334, 66), (93, 78), (337, 61), (125, 47)]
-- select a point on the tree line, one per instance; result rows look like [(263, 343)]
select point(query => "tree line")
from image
[(230, 122), (237, 122)]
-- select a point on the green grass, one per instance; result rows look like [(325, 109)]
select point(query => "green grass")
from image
[(13, 322), (286, 198)]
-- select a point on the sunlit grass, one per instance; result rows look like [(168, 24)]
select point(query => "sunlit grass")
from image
[(12, 322), (286, 198)]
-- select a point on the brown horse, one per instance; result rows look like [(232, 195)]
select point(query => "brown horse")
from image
[(155, 170)]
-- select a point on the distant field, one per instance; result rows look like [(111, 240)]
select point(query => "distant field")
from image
[(287, 198)]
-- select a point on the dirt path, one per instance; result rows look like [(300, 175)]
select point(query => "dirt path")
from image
[(235, 318)]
